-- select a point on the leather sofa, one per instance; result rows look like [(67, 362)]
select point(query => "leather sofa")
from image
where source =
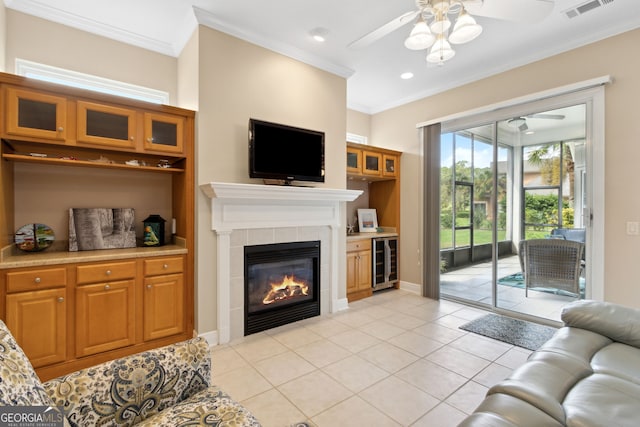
[(587, 374), (168, 386)]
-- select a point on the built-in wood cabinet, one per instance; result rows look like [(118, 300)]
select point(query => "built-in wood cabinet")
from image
[(163, 132), (38, 321), (75, 309), (107, 125), (381, 169), (163, 286), (359, 269), (35, 114)]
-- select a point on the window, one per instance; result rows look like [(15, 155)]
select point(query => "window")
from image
[(86, 81)]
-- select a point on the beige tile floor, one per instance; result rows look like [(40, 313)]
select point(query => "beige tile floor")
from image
[(395, 359)]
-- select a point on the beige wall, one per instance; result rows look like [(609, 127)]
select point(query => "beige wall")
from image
[(359, 123), (237, 81), (46, 42), (396, 128)]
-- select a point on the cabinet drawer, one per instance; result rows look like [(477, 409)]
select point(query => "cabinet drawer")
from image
[(156, 266), (105, 272), (359, 245), (36, 279)]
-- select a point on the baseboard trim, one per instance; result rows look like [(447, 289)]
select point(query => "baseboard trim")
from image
[(342, 304), (211, 337), (411, 287)]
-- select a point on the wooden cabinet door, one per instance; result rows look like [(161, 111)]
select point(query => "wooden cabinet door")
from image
[(163, 306), (371, 163), (38, 321), (354, 160), (37, 115), (105, 316), (163, 132), (364, 270), (352, 272), (389, 165), (106, 125)]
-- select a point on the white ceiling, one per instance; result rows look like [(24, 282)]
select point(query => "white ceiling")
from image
[(373, 72)]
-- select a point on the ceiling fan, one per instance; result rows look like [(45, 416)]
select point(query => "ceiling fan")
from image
[(520, 122), (437, 35)]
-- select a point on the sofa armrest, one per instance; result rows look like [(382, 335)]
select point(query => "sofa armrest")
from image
[(617, 322), (128, 390)]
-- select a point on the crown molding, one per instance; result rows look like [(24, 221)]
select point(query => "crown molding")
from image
[(209, 20), (51, 13)]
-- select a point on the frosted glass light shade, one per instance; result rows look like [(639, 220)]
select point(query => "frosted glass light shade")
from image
[(420, 37), (440, 25), (440, 51), (465, 29)]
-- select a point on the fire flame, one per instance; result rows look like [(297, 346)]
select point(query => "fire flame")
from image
[(286, 289)]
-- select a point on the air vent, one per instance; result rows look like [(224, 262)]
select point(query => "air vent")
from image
[(585, 7)]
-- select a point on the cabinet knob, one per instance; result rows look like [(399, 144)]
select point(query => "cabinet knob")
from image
[(107, 287), (108, 272), (37, 280), (165, 266), (60, 129), (131, 137), (150, 139), (149, 286), (60, 299)]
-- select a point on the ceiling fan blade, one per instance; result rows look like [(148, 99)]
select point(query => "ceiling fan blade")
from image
[(512, 10), (547, 116), (382, 31)]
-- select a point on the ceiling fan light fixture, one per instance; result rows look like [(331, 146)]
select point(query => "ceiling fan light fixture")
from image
[(440, 51), (441, 24), (465, 29), (420, 37), (516, 122)]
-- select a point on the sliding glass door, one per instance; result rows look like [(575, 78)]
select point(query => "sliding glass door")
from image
[(512, 193)]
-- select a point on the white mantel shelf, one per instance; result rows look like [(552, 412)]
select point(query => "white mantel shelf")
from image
[(243, 206), (250, 206)]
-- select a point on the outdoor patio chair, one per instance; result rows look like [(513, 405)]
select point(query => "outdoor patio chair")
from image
[(551, 263)]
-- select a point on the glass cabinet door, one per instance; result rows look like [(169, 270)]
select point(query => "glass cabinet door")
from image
[(372, 163), (163, 133), (36, 114), (106, 125), (354, 160), (390, 165)]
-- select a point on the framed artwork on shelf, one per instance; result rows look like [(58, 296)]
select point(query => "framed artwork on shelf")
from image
[(367, 220)]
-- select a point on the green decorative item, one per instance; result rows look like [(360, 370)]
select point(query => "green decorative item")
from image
[(154, 231)]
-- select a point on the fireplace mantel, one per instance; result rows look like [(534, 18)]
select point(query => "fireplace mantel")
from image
[(250, 206), (242, 206)]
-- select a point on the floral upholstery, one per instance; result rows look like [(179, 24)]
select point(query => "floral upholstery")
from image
[(169, 386), (19, 383)]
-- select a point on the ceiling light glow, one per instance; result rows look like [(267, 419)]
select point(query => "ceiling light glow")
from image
[(406, 76)]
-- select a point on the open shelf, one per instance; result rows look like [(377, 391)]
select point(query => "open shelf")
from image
[(68, 162)]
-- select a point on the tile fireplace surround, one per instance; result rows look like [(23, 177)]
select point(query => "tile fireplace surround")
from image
[(247, 214)]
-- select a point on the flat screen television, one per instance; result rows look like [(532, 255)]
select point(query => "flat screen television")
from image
[(285, 153)]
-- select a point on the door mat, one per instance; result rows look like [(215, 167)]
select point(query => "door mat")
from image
[(512, 331), (517, 281)]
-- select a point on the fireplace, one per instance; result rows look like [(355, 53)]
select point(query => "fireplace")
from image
[(282, 284)]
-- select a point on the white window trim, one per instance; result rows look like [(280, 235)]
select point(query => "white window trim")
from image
[(359, 139), (87, 81)]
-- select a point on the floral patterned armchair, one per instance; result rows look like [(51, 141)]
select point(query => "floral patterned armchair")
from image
[(168, 386)]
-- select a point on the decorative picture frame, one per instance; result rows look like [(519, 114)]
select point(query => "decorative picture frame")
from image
[(367, 220)]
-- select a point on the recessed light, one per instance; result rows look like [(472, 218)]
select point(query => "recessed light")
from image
[(406, 76), (529, 132), (319, 34)]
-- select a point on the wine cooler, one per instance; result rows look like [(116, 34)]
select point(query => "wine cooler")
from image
[(385, 262)]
